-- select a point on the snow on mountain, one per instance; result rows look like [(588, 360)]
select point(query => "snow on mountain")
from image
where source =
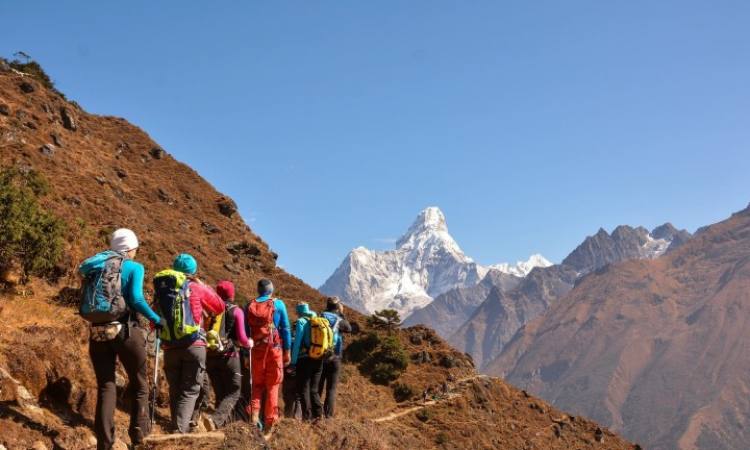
[(522, 268), (426, 262)]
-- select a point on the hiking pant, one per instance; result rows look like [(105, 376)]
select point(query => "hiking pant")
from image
[(268, 374), (292, 406), (309, 372), (226, 379), (241, 408), (130, 347), (329, 381), (184, 368)]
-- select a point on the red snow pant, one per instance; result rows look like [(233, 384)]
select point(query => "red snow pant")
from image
[(268, 373)]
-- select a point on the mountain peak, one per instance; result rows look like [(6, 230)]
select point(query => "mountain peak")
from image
[(429, 221)]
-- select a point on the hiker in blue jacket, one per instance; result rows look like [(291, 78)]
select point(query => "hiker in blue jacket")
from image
[(125, 339), (302, 366), (332, 365)]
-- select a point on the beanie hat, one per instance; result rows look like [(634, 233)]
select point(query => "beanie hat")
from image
[(303, 309), (333, 304), (265, 287), (185, 263), (225, 289), (123, 240)]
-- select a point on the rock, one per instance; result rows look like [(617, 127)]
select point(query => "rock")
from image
[(209, 228), (4, 67), (164, 196), (101, 180), (47, 149), (4, 109), (227, 206), (243, 248), (599, 435), (56, 139), (157, 153), (232, 268), (121, 173), (415, 339), (31, 125), (26, 87), (68, 119)]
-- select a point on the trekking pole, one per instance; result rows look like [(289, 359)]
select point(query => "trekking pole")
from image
[(155, 386)]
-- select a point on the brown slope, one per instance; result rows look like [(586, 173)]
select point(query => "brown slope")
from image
[(105, 173), (655, 349)]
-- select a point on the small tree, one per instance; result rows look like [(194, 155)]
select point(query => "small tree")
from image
[(386, 318), (30, 237)]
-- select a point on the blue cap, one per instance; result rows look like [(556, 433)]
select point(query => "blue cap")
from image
[(303, 309), (185, 263)]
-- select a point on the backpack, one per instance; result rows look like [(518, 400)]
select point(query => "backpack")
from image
[(101, 296), (334, 319), (220, 334), (172, 298), (321, 338), (260, 320)]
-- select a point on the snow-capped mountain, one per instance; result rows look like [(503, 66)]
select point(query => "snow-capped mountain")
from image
[(426, 262)]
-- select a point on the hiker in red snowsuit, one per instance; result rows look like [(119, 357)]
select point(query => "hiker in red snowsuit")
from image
[(268, 323)]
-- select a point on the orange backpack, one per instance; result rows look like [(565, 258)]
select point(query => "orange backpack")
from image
[(260, 320)]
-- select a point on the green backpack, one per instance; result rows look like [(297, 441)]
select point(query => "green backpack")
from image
[(172, 298)]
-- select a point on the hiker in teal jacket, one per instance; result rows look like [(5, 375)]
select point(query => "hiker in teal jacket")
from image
[(301, 363), (128, 344)]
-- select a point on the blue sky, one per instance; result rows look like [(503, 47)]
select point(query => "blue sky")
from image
[(531, 124)]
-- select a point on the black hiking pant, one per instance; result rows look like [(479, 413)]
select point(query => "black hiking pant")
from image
[(292, 406), (309, 372), (184, 368), (130, 347), (225, 376), (328, 382)]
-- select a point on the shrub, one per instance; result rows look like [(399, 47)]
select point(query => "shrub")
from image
[(360, 349), (441, 438), (387, 362), (424, 415), (448, 361), (402, 392), (387, 318), (29, 236)]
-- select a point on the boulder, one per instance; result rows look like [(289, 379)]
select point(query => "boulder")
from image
[(26, 87), (157, 153), (47, 149), (68, 119), (226, 206), (4, 109)]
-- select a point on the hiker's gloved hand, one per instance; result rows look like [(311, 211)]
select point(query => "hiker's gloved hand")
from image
[(287, 357)]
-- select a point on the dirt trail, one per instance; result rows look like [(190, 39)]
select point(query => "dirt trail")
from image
[(450, 395)]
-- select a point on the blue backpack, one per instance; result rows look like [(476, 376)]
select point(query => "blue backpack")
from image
[(101, 297)]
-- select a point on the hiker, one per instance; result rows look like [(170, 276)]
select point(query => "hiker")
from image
[(332, 364), (268, 322), (225, 337), (183, 299), (112, 301), (307, 371)]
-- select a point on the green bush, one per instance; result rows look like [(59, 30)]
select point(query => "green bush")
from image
[(402, 392), (29, 236), (360, 349), (387, 362)]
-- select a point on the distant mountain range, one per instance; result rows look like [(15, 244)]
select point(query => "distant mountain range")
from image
[(657, 349), (426, 262)]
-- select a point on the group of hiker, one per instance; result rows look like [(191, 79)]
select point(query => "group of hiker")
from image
[(208, 341)]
